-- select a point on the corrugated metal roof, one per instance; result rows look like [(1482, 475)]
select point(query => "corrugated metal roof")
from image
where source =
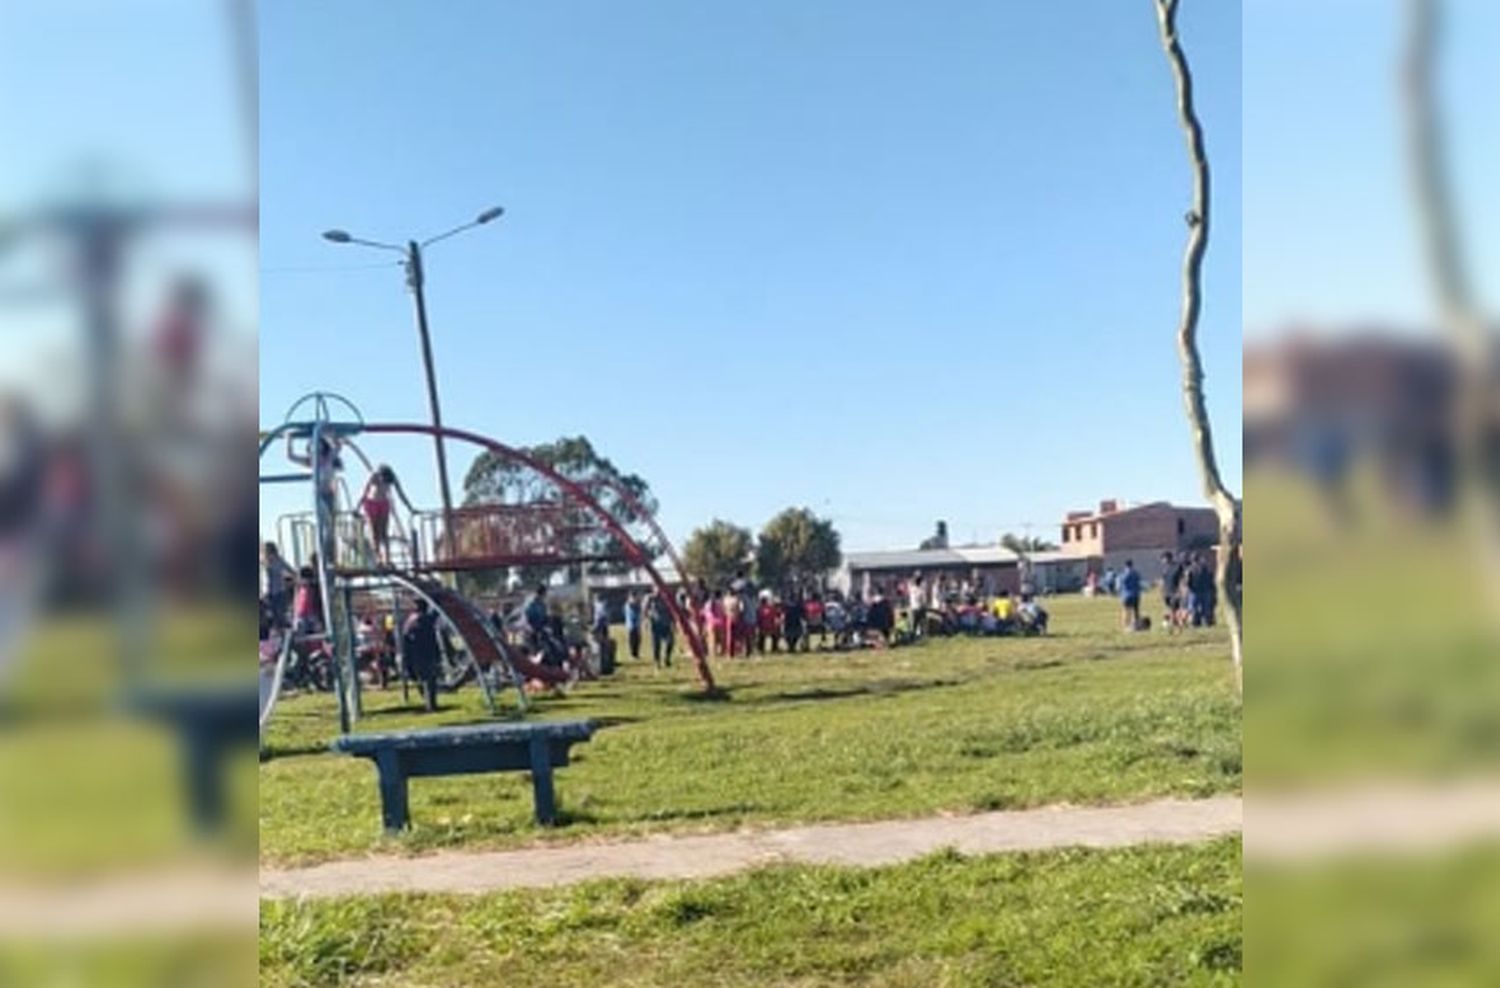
[(916, 559), (967, 555)]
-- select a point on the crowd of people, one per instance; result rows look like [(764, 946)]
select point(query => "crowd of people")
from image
[(1189, 592), (739, 619)]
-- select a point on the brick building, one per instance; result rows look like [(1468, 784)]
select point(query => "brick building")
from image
[(1114, 533)]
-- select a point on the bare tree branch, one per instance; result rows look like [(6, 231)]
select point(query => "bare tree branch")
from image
[(1224, 503)]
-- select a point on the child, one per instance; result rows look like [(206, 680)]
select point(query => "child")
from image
[(837, 620), (1031, 616), (812, 613), (733, 623), (791, 621), (325, 470), (1003, 611), (307, 606), (376, 504), (768, 625), (633, 615), (419, 647), (277, 573)]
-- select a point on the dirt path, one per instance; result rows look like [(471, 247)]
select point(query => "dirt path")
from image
[(886, 842)]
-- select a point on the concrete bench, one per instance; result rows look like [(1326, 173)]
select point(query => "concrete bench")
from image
[(209, 720), (402, 755)]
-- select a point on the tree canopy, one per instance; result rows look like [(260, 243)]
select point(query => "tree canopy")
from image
[(796, 547), (498, 479), (1025, 545), (715, 552)]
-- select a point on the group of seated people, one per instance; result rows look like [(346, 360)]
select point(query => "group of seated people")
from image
[(1000, 614)]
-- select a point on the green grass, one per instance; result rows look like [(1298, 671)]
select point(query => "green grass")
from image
[(1148, 915), (89, 787), (1377, 920), (223, 960), (1371, 644), (1088, 715)]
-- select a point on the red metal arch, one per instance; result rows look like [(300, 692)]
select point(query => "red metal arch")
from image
[(583, 496)]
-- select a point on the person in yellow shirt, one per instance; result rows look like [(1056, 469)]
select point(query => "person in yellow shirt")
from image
[(1003, 610)]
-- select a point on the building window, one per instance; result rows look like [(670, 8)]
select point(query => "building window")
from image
[(1181, 525), (1093, 530)]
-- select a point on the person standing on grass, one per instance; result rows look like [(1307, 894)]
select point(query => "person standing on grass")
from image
[(277, 575), (744, 589), (734, 631), (881, 617), (1130, 596), (633, 624), (815, 615), (713, 622), (1171, 598), (791, 621), (768, 625), (916, 602), (660, 616), (419, 646), (1201, 591), (307, 605), (599, 626)]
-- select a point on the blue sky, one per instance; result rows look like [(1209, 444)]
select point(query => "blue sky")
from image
[(1330, 236), (894, 262), (144, 92)]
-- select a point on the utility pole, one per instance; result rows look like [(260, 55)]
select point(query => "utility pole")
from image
[(414, 280)]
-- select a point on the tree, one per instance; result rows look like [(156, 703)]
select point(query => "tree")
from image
[(1225, 505), (937, 540), (1025, 545), (568, 527), (796, 547), (1471, 337), (717, 551)]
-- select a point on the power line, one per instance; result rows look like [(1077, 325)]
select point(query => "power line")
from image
[(326, 268)]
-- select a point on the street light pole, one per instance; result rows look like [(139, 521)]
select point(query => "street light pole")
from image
[(414, 280)]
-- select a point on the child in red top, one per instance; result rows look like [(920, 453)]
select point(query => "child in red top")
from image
[(768, 625), (813, 611)]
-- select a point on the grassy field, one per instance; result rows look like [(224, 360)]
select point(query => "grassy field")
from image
[(88, 786), (1142, 916), (1087, 715), (1372, 645)]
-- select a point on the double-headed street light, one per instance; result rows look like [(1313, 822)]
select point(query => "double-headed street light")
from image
[(412, 261)]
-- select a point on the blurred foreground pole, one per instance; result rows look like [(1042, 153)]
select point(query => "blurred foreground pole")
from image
[(1225, 505), (1471, 340)]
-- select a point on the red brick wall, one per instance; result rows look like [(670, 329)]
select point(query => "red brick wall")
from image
[(1156, 527)]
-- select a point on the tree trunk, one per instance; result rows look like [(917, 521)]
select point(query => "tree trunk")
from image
[(1470, 339), (1225, 505)]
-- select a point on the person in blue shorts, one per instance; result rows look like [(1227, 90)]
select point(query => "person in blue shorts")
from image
[(1130, 596)]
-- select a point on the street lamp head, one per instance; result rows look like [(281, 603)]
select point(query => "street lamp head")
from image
[(490, 214), (337, 236)]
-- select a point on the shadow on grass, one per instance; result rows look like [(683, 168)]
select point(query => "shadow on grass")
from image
[(716, 695), (880, 687), (704, 813)]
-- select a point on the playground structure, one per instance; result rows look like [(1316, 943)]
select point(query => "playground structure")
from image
[(562, 524)]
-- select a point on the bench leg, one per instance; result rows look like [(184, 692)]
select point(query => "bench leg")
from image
[(203, 768), (541, 782), (393, 808)]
